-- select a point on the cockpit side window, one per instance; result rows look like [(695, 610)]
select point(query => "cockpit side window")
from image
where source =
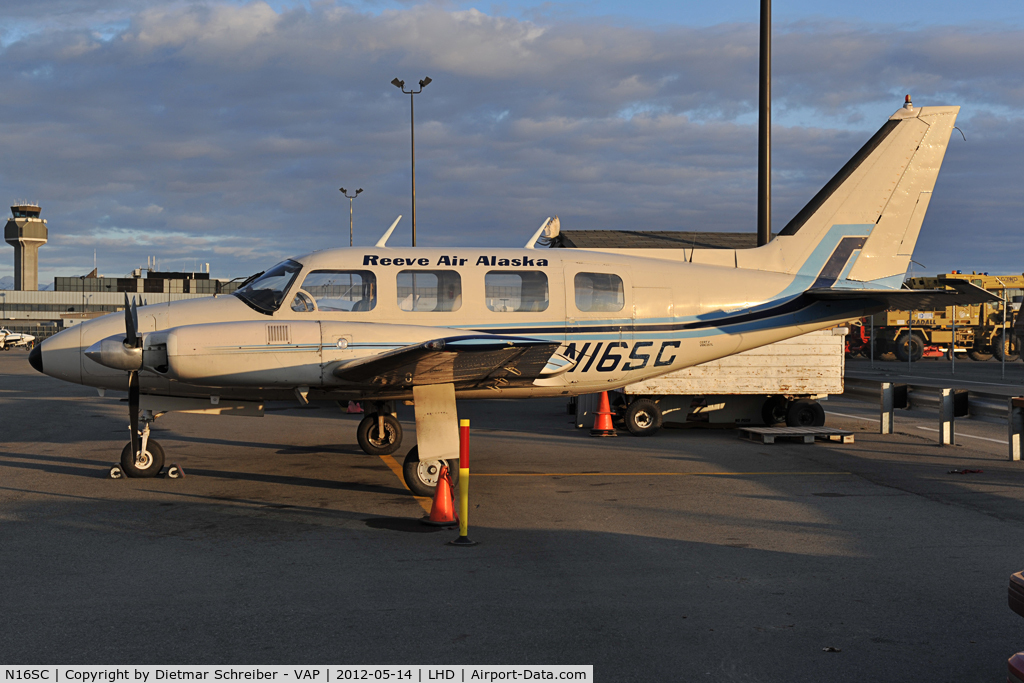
[(266, 293), (429, 290), (342, 290)]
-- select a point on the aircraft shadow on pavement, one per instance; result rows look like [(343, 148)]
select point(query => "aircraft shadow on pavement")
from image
[(282, 449), (74, 466), (403, 524), (288, 480)]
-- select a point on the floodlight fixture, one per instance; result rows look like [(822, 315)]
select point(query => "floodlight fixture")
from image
[(424, 82), (350, 198)]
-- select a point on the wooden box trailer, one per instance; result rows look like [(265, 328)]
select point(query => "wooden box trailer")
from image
[(771, 384)]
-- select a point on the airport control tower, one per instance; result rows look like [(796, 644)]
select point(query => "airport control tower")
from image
[(26, 232)]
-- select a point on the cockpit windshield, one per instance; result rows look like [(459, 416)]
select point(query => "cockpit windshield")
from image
[(266, 293)]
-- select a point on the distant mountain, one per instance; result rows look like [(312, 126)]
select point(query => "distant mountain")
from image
[(7, 282)]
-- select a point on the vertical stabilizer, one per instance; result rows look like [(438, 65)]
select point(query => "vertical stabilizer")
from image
[(873, 208)]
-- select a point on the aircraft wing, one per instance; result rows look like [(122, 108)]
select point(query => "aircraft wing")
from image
[(467, 361), (961, 293)]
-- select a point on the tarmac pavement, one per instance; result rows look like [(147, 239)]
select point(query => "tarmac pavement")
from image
[(689, 555)]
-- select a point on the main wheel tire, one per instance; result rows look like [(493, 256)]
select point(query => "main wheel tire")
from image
[(372, 442), (805, 413), (774, 410), (979, 354), (909, 347), (643, 417), (422, 477), (150, 464), (883, 350), (1005, 345)]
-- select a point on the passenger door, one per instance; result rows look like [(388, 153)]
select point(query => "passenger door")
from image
[(599, 317)]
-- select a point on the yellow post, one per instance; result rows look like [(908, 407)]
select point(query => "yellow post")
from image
[(463, 538)]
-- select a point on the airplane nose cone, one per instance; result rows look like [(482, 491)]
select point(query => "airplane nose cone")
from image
[(35, 358)]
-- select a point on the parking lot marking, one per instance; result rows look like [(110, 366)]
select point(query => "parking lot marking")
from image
[(644, 474), (854, 417), (967, 436), (393, 465)]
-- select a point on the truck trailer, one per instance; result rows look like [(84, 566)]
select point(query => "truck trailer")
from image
[(781, 382)]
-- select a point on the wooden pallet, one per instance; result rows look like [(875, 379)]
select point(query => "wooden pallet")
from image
[(805, 434)]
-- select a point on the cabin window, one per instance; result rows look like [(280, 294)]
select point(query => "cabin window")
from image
[(516, 290), (339, 290), (599, 292), (429, 290)]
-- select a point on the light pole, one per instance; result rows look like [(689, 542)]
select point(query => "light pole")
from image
[(764, 128), (345, 192), (1003, 345), (412, 134)]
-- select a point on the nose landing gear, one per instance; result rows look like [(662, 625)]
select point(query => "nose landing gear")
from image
[(148, 460)]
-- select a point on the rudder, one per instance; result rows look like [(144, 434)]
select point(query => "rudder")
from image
[(874, 207)]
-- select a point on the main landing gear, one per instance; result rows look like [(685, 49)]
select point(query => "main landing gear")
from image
[(422, 477), (380, 432)]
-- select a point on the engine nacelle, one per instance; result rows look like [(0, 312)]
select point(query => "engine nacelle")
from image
[(253, 354)]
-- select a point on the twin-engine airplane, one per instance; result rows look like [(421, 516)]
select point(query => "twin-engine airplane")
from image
[(433, 325)]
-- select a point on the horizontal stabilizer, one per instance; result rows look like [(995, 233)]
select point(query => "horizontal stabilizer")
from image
[(487, 361), (961, 293)]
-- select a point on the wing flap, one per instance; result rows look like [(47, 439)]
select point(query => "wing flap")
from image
[(479, 360)]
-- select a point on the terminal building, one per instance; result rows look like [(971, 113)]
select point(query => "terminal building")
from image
[(43, 313)]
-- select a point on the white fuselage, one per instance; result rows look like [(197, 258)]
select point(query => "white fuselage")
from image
[(621, 318)]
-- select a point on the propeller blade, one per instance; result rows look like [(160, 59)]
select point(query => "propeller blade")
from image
[(135, 318), (131, 337), (133, 410)]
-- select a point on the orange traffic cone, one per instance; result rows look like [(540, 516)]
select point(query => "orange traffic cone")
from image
[(442, 512), (603, 421)]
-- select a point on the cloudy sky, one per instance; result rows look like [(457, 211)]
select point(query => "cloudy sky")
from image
[(220, 131)]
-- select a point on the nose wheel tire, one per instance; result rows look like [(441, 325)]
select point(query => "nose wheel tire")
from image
[(375, 442), (148, 464), (422, 477)]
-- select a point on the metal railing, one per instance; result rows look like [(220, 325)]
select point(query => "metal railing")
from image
[(950, 404)]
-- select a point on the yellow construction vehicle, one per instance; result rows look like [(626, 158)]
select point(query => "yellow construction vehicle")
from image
[(980, 331)]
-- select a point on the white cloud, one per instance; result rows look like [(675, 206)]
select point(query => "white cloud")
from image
[(229, 127)]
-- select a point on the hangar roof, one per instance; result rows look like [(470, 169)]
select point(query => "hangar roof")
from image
[(664, 239)]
